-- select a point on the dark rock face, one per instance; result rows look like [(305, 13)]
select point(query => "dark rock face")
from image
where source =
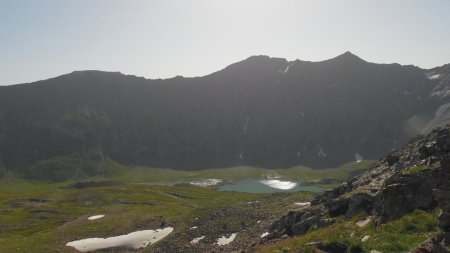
[(405, 194), (430, 246), (262, 111), (359, 203), (416, 176), (442, 196), (295, 223), (334, 247)]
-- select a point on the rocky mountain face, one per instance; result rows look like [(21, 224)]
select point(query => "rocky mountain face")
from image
[(416, 176), (262, 111)]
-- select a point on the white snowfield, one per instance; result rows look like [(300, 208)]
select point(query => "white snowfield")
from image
[(206, 182), (134, 240), (277, 184), (302, 204), (95, 217), (196, 240), (358, 158), (432, 75), (226, 240), (435, 76)]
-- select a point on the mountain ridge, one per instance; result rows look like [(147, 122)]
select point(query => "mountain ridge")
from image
[(346, 56), (262, 111)]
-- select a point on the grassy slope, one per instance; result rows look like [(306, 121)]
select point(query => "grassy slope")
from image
[(44, 217), (304, 174), (79, 166), (28, 224), (396, 236)]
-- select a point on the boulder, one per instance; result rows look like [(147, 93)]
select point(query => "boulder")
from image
[(430, 246)]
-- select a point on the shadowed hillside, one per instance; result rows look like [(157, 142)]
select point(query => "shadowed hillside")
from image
[(262, 111)]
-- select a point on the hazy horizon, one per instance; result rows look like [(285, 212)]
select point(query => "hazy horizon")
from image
[(163, 39)]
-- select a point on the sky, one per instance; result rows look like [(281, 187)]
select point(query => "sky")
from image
[(41, 39)]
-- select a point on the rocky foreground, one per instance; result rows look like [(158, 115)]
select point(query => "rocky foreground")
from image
[(416, 176)]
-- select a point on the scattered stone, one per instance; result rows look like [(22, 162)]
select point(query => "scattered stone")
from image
[(364, 222), (365, 238)]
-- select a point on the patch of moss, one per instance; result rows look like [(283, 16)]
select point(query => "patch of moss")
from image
[(417, 169), (397, 236)]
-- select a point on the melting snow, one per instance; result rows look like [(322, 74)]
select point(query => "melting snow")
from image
[(277, 184), (431, 75), (435, 76), (286, 69), (321, 154), (358, 158), (363, 223), (96, 217), (265, 234), (135, 240), (244, 129), (194, 227), (302, 204), (206, 182), (224, 240), (196, 240)]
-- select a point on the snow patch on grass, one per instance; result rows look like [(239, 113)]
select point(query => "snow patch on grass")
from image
[(206, 182), (134, 240), (95, 217), (226, 240), (196, 240)]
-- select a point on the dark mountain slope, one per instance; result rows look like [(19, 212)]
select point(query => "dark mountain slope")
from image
[(261, 111)]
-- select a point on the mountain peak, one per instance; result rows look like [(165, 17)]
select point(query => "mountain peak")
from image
[(263, 58), (348, 57)]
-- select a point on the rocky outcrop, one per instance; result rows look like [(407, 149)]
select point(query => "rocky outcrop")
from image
[(442, 196), (416, 176), (430, 246), (299, 222)]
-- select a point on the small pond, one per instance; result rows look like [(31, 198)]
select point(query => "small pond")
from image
[(268, 186)]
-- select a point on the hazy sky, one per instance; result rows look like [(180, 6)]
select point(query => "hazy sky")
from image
[(40, 39)]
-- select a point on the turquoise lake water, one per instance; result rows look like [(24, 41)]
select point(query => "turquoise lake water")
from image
[(256, 186)]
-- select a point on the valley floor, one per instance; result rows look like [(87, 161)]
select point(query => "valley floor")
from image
[(45, 217)]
